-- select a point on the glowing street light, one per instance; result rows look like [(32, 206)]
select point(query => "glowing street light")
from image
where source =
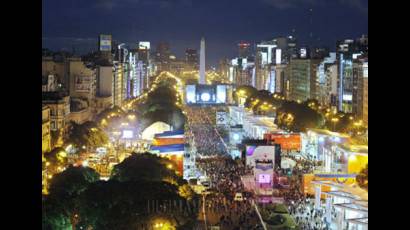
[(334, 120)]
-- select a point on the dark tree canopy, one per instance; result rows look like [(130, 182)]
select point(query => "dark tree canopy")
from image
[(144, 167), (123, 205), (63, 201), (72, 181), (298, 117), (88, 134), (363, 178)]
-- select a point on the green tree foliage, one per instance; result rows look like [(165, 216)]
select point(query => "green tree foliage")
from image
[(56, 156), (114, 110), (87, 134), (63, 201), (123, 205), (145, 167), (298, 117), (363, 178)]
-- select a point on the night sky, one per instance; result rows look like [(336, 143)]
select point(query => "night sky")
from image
[(223, 23)]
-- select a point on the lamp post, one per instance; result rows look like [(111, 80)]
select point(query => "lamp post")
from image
[(334, 121)]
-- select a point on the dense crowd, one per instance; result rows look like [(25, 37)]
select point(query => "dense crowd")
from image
[(225, 176), (201, 127), (307, 217)]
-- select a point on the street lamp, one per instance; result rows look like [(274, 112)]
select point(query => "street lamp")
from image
[(334, 120)]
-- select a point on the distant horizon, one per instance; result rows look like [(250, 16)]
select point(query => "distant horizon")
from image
[(182, 23), (86, 46)]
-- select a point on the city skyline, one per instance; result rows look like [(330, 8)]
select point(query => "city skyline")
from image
[(76, 24)]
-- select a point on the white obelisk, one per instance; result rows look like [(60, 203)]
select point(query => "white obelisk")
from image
[(202, 63)]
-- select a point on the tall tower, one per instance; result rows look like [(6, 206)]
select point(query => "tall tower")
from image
[(202, 63)]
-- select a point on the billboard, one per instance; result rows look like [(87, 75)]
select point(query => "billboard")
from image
[(190, 94), (127, 134), (264, 178), (303, 53), (105, 42), (83, 83), (260, 153), (286, 141), (144, 45), (221, 94), (221, 118)]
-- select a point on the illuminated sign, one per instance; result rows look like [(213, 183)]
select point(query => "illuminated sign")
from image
[(127, 134), (105, 42), (303, 53), (278, 56), (347, 97), (286, 141), (205, 96), (221, 118), (264, 178), (144, 45), (190, 94), (221, 94)]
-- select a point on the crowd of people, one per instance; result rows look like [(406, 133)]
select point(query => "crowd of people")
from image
[(307, 217), (225, 176), (201, 127)]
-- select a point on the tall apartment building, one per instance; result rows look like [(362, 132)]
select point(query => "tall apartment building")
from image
[(191, 59), (162, 55), (46, 131), (302, 79), (360, 74), (323, 80), (347, 51)]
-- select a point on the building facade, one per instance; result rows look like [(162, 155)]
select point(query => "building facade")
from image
[(59, 104), (46, 131), (303, 83)]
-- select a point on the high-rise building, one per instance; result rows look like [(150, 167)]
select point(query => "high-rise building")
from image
[(105, 47), (144, 48), (323, 84), (202, 76), (287, 47), (347, 51), (263, 65), (141, 77), (191, 59), (332, 85), (118, 90), (244, 49), (280, 78), (365, 94), (46, 131), (162, 55), (360, 74), (104, 95), (302, 79), (224, 69)]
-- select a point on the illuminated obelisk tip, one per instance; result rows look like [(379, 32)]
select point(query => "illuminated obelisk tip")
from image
[(202, 63)]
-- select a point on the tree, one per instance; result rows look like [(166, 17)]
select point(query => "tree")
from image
[(298, 117), (125, 204), (61, 206), (87, 134), (145, 166), (115, 111), (363, 178)]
